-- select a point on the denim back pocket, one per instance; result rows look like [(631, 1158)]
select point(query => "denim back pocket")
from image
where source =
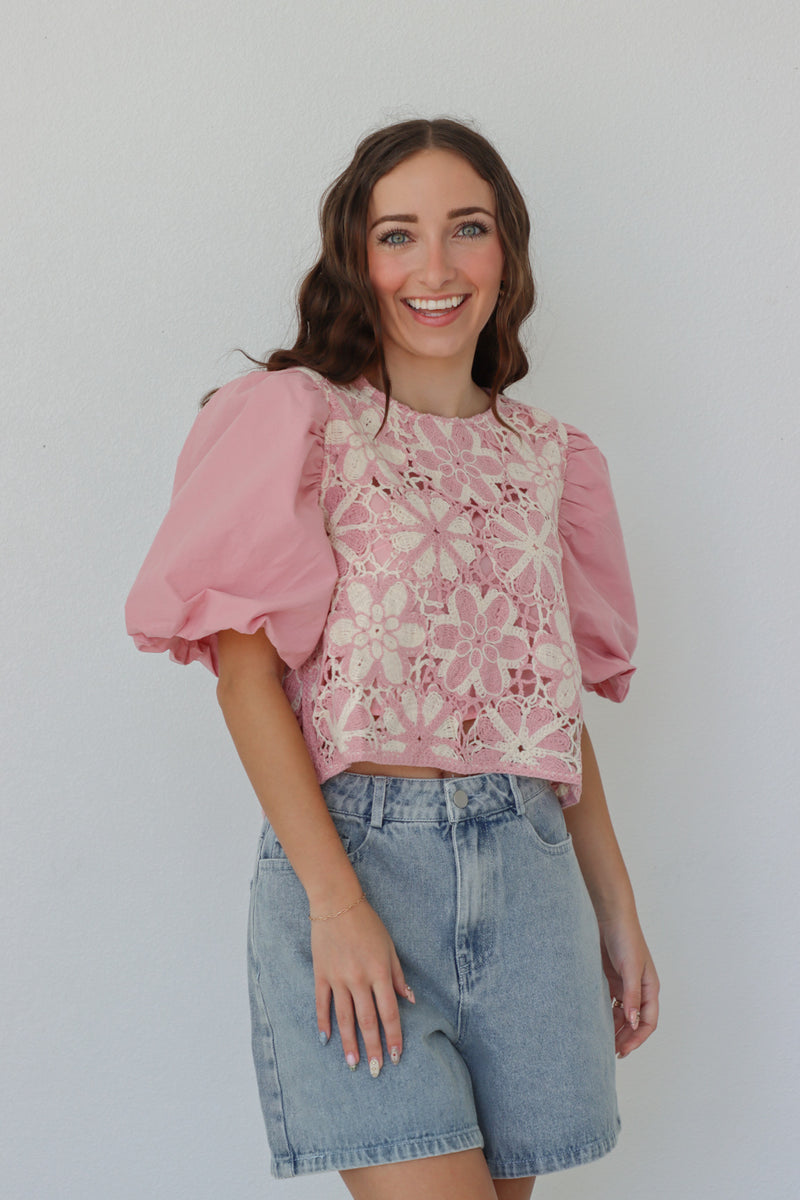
[(544, 818)]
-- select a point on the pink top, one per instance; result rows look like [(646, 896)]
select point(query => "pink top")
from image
[(444, 573)]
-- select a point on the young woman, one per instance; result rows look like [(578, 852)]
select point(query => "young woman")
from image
[(401, 577)]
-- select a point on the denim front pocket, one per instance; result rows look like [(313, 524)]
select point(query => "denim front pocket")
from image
[(544, 817), (353, 833), (271, 852)]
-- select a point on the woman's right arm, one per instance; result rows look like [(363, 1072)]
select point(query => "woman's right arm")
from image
[(355, 961)]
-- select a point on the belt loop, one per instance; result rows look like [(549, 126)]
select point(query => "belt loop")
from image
[(378, 796), (516, 791)]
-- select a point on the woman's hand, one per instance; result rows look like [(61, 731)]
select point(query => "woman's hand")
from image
[(355, 962), (627, 962), (632, 982)]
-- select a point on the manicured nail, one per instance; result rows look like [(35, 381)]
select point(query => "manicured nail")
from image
[(374, 1068), (323, 1037), (394, 1055), (410, 994), (633, 1019), (351, 1061)]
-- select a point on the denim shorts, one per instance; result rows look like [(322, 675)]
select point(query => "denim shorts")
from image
[(510, 1045)]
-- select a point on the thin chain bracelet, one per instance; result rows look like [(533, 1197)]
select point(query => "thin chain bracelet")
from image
[(346, 908)]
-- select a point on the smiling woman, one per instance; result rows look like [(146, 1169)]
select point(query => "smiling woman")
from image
[(340, 332), (435, 267), (401, 576)]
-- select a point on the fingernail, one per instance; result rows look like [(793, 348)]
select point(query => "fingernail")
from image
[(394, 1055), (323, 1037), (633, 1019), (410, 994), (374, 1068), (351, 1061)]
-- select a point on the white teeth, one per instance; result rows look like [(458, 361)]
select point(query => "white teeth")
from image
[(436, 305)]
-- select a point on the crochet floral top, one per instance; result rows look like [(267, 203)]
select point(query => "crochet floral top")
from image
[(438, 592)]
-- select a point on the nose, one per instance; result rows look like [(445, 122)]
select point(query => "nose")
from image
[(437, 269)]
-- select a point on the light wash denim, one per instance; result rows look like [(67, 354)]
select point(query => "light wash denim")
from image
[(510, 1045)]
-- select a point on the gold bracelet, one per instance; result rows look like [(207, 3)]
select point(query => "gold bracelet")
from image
[(346, 908)]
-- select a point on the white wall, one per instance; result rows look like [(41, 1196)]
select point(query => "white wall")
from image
[(162, 164)]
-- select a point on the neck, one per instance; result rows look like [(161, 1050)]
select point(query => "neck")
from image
[(441, 386)]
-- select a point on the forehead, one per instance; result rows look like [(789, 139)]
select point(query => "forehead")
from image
[(427, 181)]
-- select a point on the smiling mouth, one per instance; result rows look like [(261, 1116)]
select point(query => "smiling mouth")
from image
[(443, 305)]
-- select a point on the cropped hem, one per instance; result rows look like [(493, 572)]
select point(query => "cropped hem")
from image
[(565, 783), (544, 1164), (287, 1165)]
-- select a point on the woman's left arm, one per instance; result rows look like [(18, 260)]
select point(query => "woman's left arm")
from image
[(627, 961)]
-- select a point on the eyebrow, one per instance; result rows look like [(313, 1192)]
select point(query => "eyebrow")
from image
[(412, 218)]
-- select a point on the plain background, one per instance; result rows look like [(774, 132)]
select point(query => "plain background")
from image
[(162, 168)]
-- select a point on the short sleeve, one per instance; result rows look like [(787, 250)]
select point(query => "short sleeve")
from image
[(243, 544), (596, 576)]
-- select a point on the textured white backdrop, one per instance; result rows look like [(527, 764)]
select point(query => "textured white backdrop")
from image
[(162, 164)]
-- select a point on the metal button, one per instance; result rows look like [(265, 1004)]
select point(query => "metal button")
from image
[(460, 798)]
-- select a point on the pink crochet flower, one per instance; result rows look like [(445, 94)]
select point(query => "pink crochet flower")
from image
[(457, 464), (524, 551), (479, 641)]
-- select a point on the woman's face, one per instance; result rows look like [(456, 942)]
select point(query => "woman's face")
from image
[(434, 256)]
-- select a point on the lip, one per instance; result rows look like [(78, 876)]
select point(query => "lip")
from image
[(444, 316)]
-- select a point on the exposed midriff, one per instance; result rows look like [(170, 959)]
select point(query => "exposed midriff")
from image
[(371, 768)]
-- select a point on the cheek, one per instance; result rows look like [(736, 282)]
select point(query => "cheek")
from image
[(382, 275), (491, 266), (386, 283)]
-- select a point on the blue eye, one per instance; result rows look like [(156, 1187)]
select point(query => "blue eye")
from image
[(474, 229), (394, 237)]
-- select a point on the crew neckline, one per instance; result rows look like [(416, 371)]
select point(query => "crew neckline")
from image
[(364, 385)]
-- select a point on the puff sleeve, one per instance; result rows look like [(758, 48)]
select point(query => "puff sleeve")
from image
[(595, 569), (243, 544)]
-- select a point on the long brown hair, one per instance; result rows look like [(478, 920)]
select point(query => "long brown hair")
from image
[(339, 327)]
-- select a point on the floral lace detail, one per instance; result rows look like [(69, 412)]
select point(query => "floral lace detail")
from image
[(373, 639), (448, 641), (478, 641)]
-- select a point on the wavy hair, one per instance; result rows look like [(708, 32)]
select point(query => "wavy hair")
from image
[(339, 325)]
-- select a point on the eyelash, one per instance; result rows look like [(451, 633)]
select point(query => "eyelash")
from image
[(384, 237)]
